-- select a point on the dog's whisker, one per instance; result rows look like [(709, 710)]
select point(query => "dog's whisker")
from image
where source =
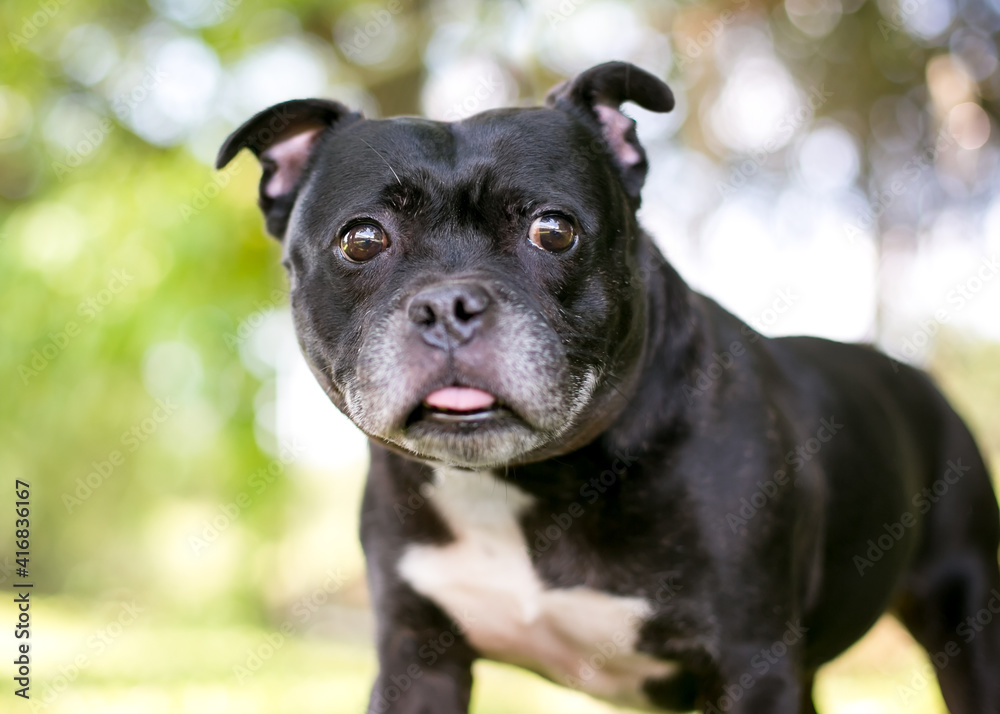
[(384, 160)]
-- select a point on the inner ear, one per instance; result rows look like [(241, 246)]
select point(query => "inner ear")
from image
[(284, 138), (597, 95), (285, 162), (619, 132)]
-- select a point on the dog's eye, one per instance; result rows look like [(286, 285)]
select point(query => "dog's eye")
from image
[(553, 233), (363, 242)]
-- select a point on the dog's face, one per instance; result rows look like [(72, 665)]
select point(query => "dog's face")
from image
[(466, 292)]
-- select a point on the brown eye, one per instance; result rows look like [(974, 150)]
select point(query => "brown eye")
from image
[(552, 233), (363, 242)]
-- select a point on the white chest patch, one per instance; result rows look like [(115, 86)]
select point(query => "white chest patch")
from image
[(484, 580)]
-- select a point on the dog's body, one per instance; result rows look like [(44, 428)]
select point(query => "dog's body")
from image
[(583, 467)]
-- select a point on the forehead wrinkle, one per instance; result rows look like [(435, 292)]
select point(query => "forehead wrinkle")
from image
[(412, 195), (489, 200), (482, 174)]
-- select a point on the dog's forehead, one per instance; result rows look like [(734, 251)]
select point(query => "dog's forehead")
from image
[(507, 159), (539, 138)]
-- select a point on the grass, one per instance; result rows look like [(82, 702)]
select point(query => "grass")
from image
[(155, 666)]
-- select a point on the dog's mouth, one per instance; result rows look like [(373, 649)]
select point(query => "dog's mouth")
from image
[(458, 405), (467, 426)]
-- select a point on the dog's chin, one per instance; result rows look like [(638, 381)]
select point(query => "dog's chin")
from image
[(487, 438), (470, 422)]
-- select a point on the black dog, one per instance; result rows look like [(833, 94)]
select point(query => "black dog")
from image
[(581, 466)]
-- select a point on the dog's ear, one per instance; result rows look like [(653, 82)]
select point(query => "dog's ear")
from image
[(598, 93), (283, 138)]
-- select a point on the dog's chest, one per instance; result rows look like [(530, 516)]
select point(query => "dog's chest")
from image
[(484, 579)]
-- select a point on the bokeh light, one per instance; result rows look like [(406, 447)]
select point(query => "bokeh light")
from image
[(832, 167)]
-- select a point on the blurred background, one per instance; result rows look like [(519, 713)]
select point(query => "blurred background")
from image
[(831, 169)]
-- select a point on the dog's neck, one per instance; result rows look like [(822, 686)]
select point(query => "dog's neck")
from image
[(674, 344)]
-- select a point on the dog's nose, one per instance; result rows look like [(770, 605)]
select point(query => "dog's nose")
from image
[(449, 315)]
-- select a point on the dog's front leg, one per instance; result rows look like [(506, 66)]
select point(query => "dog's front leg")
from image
[(755, 679), (425, 662), (420, 674)]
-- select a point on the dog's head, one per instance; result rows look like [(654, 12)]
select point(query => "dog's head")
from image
[(467, 292)]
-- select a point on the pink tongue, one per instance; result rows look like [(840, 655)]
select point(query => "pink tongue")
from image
[(460, 399)]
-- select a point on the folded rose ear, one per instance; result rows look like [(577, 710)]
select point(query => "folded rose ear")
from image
[(283, 137), (598, 93)]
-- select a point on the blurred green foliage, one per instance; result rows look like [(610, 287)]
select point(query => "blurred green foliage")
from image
[(127, 269)]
